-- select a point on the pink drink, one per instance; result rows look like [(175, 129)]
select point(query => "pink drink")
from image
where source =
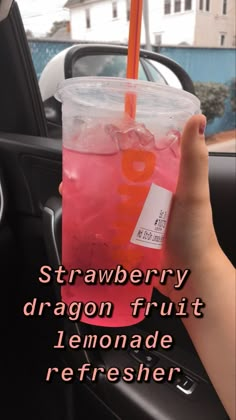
[(118, 177), (98, 227)]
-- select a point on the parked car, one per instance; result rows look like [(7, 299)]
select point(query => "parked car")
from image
[(30, 237)]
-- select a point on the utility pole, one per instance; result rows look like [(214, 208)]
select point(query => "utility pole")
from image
[(146, 25)]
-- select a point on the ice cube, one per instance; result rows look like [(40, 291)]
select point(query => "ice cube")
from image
[(91, 138), (131, 136), (170, 141)]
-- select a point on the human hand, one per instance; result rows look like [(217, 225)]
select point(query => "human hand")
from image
[(60, 188), (191, 243), (191, 240)]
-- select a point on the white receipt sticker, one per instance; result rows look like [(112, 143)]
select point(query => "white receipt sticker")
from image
[(150, 228)]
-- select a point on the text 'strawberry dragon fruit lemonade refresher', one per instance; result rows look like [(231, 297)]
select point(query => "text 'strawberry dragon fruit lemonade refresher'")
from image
[(119, 175)]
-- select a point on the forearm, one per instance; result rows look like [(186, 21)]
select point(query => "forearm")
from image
[(213, 335)]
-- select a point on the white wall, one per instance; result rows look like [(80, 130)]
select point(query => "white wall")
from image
[(175, 28), (103, 26)]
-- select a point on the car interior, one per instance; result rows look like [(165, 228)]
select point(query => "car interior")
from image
[(30, 237)]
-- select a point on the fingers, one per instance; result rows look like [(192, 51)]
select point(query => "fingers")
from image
[(60, 188), (193, 175)]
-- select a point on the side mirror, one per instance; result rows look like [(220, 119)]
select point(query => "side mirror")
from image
[(107, 61), (110, 61)]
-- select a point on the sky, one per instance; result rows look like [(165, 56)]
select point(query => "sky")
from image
[(39, 15)]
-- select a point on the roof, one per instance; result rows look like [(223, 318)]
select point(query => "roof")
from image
[(74, 3)]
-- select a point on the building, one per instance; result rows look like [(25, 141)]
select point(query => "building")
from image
[(99, 20), (201, 23)]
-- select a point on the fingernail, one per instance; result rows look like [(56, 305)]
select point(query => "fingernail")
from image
[(202, 129)]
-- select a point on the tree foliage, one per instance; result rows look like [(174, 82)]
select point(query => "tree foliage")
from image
[(29, 33), (56, 26), (232, 88), (212, 97)]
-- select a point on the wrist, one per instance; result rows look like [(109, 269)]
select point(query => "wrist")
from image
[(208, 275)]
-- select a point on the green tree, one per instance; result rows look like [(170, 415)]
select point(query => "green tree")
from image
[(212, 97), (232, 88), (29, 33), (56, 26)]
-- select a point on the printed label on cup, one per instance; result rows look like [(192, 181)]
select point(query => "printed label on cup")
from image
[(150, 228)]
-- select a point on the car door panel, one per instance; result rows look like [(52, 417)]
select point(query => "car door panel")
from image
[(222, 177), (151, 400), (34, 169)]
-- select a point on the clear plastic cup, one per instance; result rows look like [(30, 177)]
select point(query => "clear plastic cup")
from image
[(119, 176)]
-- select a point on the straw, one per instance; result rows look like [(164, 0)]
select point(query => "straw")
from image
[(133, 52)]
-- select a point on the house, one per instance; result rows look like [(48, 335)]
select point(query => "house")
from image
[(101, 20), (201, 23)]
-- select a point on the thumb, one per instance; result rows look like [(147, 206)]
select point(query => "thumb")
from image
[(193, 174)]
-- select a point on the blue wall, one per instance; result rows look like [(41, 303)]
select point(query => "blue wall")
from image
[(216, 65), (205, 64), (202, 64), (43, 51)]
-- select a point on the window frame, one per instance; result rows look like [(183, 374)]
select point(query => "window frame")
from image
[(222, 37), (208, 6), (114, 6), (167, 4), (177, 2), (186, 8), (87, 18), (225, 8)]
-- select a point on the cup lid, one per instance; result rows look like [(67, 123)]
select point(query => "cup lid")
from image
[(109, 92)]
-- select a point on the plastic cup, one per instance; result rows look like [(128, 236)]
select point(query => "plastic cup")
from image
[(119, 176)]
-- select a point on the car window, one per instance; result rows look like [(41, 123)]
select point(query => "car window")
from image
[(103, 65), (208, 60)]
